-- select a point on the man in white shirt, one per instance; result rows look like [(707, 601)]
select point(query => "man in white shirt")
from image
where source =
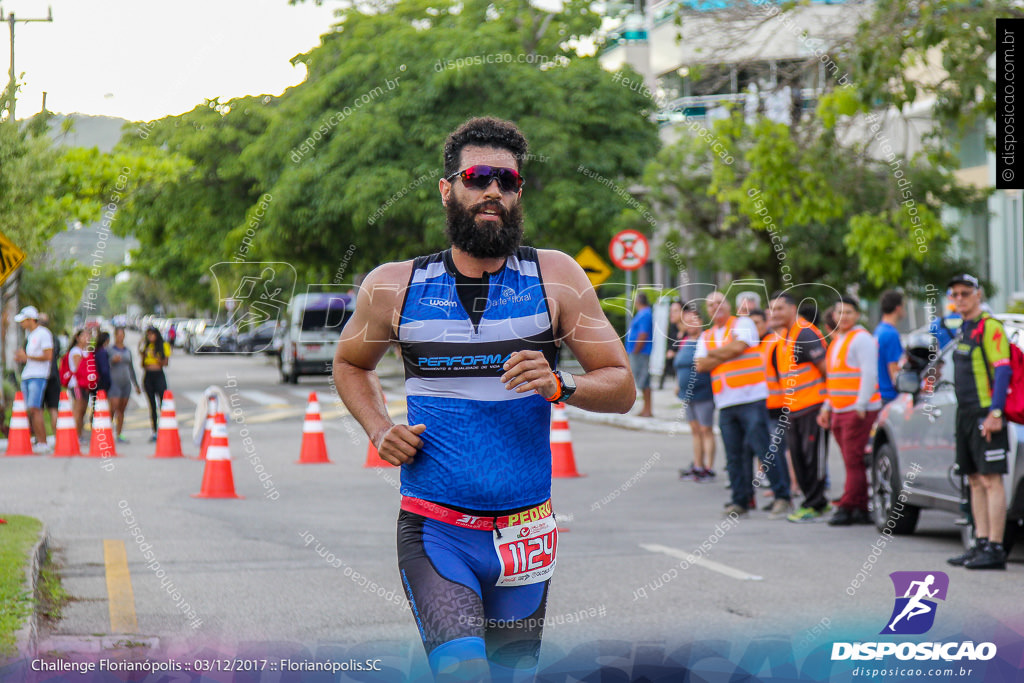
[(729, 352), (37, 357)]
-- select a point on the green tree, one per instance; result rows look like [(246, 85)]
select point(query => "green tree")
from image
[(791, 205), (353, 156), (909, 51), (182, 218)]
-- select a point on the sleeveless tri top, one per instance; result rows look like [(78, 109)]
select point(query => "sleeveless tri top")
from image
[(485, 447)]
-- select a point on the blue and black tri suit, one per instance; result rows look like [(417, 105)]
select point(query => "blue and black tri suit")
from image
[(486, 453)]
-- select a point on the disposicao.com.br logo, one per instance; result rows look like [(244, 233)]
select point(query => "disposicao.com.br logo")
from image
[(913, 614)]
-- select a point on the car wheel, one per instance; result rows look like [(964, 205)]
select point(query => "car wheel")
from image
[(885, 490), (1014, 532)]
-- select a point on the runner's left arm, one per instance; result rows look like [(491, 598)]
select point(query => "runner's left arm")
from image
[(607, 385)]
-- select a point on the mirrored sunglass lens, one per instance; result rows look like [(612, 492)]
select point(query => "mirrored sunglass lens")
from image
[(480, 177), (508, 180)]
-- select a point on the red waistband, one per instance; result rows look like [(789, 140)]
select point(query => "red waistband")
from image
[(467, 521)]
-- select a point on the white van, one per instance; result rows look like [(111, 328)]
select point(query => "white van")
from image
[(311, 328)]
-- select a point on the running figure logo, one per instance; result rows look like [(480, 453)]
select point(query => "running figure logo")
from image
[(916, 592)]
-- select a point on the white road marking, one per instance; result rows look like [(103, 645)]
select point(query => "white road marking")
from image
[(702, 561), (263, 398), (195, 396)]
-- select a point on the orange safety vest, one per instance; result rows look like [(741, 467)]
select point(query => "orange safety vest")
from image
[(843, 381), (743, 370), (802, 384), (776, 396)]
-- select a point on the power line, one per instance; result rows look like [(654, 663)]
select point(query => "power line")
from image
[(12, 84)]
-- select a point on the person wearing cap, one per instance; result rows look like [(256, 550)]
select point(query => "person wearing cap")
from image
[(981, 375), (37, 356)]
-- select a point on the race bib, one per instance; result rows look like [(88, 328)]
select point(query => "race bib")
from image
[(527, 552)]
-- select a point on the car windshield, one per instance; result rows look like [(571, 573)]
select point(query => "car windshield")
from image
[(332, 318)]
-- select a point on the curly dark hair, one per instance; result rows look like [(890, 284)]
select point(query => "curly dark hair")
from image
[(484, 131)]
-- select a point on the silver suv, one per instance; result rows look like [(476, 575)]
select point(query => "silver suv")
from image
[(913, 448)]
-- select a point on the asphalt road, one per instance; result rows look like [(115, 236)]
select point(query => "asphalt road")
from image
[(308, 556)]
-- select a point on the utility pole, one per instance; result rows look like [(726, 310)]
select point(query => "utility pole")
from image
[(12, 83), (9, 292)]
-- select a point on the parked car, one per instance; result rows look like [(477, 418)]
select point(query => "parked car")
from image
[(259, 338), (189, 332), (310, 334), (215, 339), (917, 430)]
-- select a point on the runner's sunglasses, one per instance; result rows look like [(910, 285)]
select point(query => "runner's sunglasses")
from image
[(479, 177)]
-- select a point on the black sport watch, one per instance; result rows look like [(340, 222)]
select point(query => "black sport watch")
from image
[(566, 384)]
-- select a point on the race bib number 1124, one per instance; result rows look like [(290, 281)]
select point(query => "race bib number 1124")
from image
[(527, 552)]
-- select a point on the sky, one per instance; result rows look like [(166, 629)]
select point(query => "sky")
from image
[(144, 59)]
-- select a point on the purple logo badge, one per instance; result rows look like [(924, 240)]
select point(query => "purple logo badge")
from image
[(916, 593)]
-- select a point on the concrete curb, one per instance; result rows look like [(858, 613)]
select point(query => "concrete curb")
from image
[(640, 424), (26, 638)]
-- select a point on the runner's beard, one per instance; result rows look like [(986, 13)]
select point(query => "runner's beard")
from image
[(490, 239)]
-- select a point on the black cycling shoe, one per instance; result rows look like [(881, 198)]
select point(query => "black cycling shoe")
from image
[(992, 557), (959, 560), (842, 517), (861, 517)]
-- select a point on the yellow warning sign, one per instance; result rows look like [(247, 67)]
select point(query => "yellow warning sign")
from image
[(10, 258), (593, 265)]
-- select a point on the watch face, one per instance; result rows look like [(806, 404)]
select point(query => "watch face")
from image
[(568, 380)]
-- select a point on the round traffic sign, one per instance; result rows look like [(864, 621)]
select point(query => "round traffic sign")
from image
[(629, 250)]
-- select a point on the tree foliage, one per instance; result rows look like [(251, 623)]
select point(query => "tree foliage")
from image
[(354, 156), (909, 51), (182, 217), (838, 217)]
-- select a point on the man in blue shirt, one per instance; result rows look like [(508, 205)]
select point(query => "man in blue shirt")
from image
[(638, 346), (890, 349)]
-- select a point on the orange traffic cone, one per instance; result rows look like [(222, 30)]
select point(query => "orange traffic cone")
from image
[(67, 435), (168, 441), (314, 447), (101, 445), (218, 482), (211, 410), (19, 438), (563, 464)]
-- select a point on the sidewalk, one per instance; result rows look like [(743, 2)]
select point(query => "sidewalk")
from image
[(667, 408)]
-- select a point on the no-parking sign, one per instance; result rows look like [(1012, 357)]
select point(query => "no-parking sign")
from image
[(629, 250)]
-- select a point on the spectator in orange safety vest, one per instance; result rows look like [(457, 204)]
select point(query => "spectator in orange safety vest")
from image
[(778, 478), (801, 365), (851, 405), (729, 351)]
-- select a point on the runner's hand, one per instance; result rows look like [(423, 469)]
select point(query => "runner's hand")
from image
[(400, 443), (529, 371), (824, 418)]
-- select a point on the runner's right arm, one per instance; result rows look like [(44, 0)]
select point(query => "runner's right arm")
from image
[(364, 341)]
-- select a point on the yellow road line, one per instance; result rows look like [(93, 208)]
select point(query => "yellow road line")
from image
[(119, 588)]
